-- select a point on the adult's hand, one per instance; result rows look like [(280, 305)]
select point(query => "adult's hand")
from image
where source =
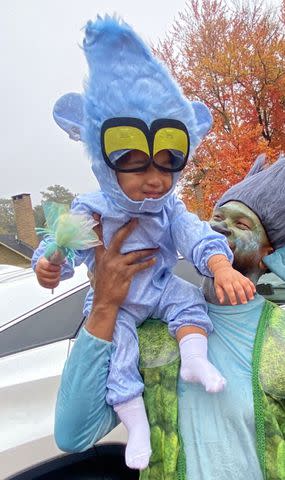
[(112, 278)]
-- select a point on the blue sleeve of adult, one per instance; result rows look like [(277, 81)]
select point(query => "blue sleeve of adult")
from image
[(195, 239), (82, 415)]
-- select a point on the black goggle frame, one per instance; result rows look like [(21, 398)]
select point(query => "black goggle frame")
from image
[(150, 135)]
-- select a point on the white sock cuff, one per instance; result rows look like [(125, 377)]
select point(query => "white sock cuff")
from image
[(194, 344), (133, 404), (193, 337)]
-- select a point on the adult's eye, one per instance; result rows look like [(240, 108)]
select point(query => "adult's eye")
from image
[(218, 218), (243, 226)]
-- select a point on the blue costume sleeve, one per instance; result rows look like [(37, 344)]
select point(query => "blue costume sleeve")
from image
[(82, 415), (67, 268), (89, 203), (195, 239)]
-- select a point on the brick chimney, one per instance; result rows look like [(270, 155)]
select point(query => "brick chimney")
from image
[(25, 221)]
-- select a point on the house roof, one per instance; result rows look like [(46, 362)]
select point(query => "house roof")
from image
[(11, 242)]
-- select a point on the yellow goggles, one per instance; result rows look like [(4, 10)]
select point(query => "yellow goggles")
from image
[(121, 135)]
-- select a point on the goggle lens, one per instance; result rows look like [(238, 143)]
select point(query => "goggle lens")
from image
[(166, 144), (124, 138)]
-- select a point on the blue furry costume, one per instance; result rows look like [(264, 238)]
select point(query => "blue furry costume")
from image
[(126, 81)]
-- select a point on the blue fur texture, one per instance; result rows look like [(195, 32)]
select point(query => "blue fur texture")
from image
[(126, 80)]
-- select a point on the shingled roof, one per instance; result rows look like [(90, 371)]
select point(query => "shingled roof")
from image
[(11, 242)]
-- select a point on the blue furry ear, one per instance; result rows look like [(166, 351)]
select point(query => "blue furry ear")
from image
[(69, 115), (204, 119), (276, 262)]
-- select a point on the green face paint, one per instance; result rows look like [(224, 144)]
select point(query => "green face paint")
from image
[(245, 234)]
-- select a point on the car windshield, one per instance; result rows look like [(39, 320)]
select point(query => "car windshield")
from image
[(272, 288)]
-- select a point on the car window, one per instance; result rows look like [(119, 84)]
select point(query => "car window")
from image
[(272, 288), (188, 272), (59, 321)]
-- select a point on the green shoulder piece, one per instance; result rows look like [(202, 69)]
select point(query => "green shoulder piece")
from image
[(272, 360), (159, 366), (269, 391)]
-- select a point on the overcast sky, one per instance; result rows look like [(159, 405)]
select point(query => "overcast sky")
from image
[(40, 60)]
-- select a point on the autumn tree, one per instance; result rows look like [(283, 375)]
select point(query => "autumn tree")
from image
[(233, 59)]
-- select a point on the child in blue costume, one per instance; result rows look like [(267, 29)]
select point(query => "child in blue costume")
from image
[(139, 130)]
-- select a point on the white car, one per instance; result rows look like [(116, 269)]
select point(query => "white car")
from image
[(37, 330)]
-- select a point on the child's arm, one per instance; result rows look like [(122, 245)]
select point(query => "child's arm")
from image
[(68, 238), (43, 268), (229, 281), (195, 239), (210, 253)]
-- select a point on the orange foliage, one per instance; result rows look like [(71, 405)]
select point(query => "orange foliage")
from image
[(234, 61)]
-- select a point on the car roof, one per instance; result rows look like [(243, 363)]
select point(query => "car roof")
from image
[(20, 292)]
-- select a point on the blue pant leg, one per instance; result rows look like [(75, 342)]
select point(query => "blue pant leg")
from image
[(181, 304), (124, 380)]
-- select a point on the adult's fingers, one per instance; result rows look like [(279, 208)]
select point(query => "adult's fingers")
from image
[(138, 267), (100, 249), (121, 235), (98, 228), (136, 256)]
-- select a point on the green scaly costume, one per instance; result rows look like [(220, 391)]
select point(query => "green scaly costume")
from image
[(160, 369)]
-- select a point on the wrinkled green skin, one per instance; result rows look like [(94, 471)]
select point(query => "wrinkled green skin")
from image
[(159, 365), (272, 387)]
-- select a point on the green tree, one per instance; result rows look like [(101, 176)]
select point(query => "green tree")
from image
[(7, 218), (53, 193), (59, 194), (39, 216)]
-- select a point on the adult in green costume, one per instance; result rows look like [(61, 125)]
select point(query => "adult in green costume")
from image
[(236, 434)]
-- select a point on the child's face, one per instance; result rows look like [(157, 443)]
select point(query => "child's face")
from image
[(150, 183)]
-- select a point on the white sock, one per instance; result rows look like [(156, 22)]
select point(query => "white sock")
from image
[(195, 367), (133, 415)]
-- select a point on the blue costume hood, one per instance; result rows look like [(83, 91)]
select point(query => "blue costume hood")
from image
[(125, 80)]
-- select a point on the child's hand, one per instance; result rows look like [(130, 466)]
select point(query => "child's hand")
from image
[(48, 274), (230, 282)]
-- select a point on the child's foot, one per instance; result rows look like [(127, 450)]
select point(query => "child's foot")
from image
[(133, 416), (195, 367), (200, 370), (138, 452)]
